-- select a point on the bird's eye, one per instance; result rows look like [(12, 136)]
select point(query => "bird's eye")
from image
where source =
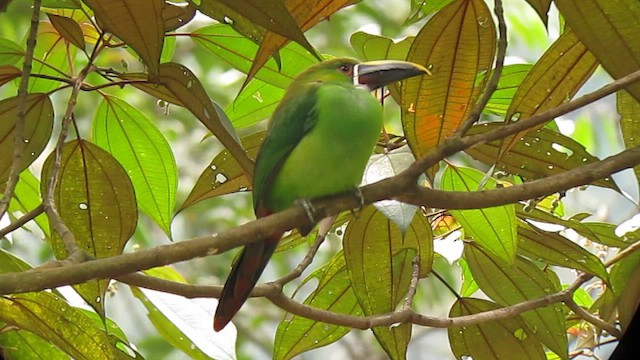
[(347, 69)]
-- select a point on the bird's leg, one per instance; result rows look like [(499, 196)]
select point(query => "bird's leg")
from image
[(308, 208), (358, 194)]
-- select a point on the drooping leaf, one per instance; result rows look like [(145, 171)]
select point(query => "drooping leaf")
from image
[(52, 319), (96, 201), (611, 30), (334, 293), (186, 323), (272, 15), (8, 73), (553, 80), (629, 110), (307, 14), (557, 250), (510, 79), (379, 261), (542, 8), (238, 51), (494, 229), (10, 52), (138, 23), (54, 52), (68, 29), (509, 284), (492, 339), (175, 16), (536, 154), (434, 106), (139, 146), (184, 86), (224, 175), (38, 125)]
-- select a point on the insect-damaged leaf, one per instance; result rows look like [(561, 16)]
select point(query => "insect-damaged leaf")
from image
[(138, 23), (38, 124), (553, 80), (334, 293), (512, 335), (224, 175), (611, 30), (434, 106), (510, 284), (537, 154), (492, 228), (135, 141), (96, 201)]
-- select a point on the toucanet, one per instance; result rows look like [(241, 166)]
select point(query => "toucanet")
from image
[(318, 142)]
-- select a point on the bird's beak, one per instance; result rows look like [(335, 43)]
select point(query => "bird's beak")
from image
[(376, 74)]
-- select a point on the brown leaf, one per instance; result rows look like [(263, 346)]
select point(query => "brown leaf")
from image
[(455, 45), (175, 16), (542, 8), (8, 73), (138, 23), (68, 29)]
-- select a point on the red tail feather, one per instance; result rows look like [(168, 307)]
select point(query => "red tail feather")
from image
[(244, 276)]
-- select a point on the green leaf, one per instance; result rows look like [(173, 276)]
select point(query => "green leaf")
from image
[(379, 260), (52, 319), (490, 340), (21, 344), (536, 154), (186, 323), (38, 125), (492, 228), (54, 53), (26, 197), (96, 201), (256, 102), (138, 23), (510, 79), (224, 175), (11, 263), (434, 106), (629, 110), (238, 51), (334, 293), (611, 31), (510, 284), (553, 80), (469, 285), (10, 52), (68, 29), (557, 250), (139, 146)]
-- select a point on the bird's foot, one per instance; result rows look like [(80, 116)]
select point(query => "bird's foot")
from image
[(308, 208), (358, 194)]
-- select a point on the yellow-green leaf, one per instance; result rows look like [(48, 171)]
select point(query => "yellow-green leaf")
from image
[(26, 197), (38, 125), (54, 53), (51, 318), (68, 29), (629, 110), (553, 80), (139, 146), (96, 201), (510, 79), (491, 340), (611, 30), (492, 228), (255, 102), (10, 52), (138, 23), (536, 154), (456, 45), (510, 284), (224, 175), (298, 334)]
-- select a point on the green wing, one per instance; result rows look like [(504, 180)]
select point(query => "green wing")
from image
[(293, 118)]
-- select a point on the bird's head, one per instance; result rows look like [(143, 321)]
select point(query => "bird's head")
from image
[(370, 75)]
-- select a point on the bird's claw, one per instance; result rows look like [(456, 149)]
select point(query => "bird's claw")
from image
[(358, 194), (308, 209)]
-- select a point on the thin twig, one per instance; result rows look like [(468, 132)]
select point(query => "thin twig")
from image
[(22, 220), (492, 84), (413, 285), (18, 139), (587, 316)]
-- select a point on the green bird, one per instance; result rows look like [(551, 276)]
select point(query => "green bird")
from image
[(318, 143)]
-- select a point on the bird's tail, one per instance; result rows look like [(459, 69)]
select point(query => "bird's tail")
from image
[(244, 276)]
